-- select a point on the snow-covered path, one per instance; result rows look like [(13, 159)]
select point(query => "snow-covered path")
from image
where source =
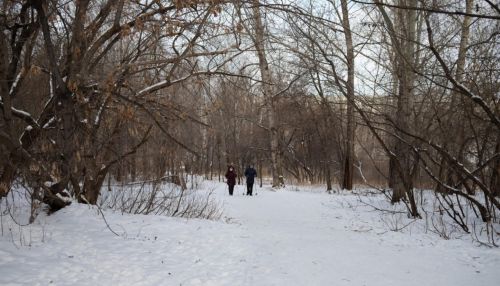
[(274, 238), (306, 239)]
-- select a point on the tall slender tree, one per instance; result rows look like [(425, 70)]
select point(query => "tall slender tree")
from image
[(403, 165), (351, 125), (270, 98)]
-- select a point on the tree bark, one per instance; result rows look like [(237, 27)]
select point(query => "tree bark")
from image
[(8, 169), (328, 177), (458, 145), (350, 130), (276, 168), (403, 43)]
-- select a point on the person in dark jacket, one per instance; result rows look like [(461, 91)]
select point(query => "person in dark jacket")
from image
[(231, 179), (250, 174)]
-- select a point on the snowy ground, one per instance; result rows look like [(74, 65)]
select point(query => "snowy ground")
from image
[(274, 238)]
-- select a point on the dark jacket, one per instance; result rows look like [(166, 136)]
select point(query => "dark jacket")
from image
[(231, 177), (250, 173)]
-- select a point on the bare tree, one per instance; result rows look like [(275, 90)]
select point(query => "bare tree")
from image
[(86, 106), (269, 94), (350, 129)]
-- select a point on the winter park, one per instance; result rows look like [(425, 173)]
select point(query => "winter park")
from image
[(250, 142)]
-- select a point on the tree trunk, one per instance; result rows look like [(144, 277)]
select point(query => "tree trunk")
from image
[(260, 171), (276, 168), (495, 171), (403, 43), (328, 177), (458, 145), (8, 168), (350, 130)]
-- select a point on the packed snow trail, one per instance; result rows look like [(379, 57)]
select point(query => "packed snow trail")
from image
[(273, 238)]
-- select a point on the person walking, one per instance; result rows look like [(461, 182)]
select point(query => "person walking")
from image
[(250, 174), (231, 178)]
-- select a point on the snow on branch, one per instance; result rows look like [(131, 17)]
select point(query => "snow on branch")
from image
[(24, 115)]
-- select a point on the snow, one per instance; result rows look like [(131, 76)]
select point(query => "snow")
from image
[(296, 236), (21, 112), (98, 116), (152, 87), (51, 120), (51, 85), (14, 84)]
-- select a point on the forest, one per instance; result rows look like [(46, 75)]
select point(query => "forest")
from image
[(398, 96)]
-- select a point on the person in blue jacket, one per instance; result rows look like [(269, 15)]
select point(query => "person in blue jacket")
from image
[(250, 174)]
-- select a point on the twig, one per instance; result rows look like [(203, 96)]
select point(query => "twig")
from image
[(102, 214)]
